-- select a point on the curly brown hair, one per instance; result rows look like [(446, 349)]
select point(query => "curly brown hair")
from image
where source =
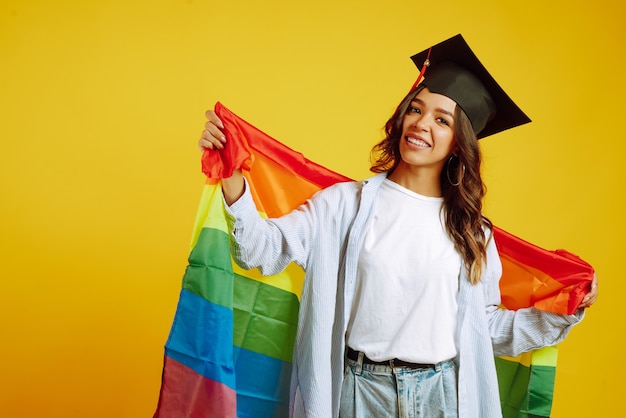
[(461, 184)]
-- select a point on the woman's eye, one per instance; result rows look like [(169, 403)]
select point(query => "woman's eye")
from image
[(443, 121), (413, 110)]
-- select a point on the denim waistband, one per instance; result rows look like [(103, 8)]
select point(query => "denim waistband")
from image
[(360, 359)]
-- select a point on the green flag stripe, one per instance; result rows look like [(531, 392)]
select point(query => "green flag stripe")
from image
[(210, 271), (541, 390), (525, 391), (265, 317), (513, 380)]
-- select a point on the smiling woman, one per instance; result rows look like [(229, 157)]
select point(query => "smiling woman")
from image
[(419, 271)]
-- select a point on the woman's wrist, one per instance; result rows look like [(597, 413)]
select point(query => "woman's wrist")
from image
[(233, 187)]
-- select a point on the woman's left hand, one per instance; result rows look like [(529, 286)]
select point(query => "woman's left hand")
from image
[(591, 297)]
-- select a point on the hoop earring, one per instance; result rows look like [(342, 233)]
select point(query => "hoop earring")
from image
[(448, 171)]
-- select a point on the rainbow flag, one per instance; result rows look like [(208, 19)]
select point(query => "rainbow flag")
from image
[(231, 343), (553, 281)]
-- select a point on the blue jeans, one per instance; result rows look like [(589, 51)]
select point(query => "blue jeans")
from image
[(375, 391)]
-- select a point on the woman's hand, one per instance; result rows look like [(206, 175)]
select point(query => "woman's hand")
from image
[(212, 137), (591, 297)]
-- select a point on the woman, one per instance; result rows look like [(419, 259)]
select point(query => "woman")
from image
[(399, 311)]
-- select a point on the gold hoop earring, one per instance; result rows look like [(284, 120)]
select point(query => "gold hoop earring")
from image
[(448, 171)]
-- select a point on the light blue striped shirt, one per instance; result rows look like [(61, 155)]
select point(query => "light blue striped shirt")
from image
[(324, 236)]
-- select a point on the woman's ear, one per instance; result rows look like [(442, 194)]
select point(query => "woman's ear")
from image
[(454, 146)]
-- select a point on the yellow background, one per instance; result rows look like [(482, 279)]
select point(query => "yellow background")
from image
[(101, 105)]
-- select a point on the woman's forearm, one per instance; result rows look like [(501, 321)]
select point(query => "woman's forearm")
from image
[(233, 187)]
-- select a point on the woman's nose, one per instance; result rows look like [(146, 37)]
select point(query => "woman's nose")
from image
[(421, 123)]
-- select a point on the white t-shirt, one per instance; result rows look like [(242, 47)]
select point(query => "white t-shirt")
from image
[(405, 304)]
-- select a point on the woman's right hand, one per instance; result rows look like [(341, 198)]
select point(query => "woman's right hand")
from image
[(212, 137)]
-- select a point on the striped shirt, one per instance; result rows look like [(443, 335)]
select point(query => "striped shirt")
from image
[(324, 236)]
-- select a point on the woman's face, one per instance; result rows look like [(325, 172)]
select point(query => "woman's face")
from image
[(428, 131)]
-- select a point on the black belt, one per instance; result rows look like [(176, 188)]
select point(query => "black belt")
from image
[(354, 356)]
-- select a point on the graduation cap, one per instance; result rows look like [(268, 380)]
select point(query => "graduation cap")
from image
[(450, 68)]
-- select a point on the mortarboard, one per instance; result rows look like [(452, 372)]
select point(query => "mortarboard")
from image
[(452, 69)]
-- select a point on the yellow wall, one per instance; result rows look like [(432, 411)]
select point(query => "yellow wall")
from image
[(101, 104)]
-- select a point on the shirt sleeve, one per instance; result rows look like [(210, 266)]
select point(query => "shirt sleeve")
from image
[(269, 244)]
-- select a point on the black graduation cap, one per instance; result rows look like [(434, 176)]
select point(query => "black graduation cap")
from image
[(450, 68)]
